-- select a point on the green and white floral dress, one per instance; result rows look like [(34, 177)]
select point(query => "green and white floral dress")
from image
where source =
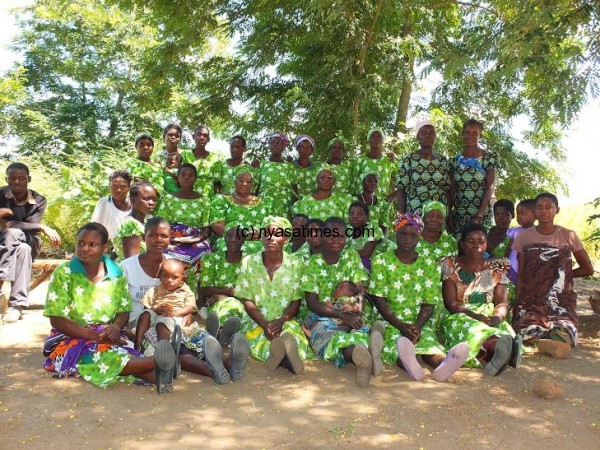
[(336, 205), (207, 175), (276, 182), (150, 172), (225, 174), (130, 227), (383, 167)]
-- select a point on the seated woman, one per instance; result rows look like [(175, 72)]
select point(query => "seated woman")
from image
[(305, 169), (323, 203), (242, 209), (142, 168), (218, 277), (277, 178), (474, 291), (322, 274), (406, 289), (380, 210), (226, 169), (88, 305), (545, 302), (435, 241), (128, 241), (112, 210), (200, 353), (269, 287), (314, 240)]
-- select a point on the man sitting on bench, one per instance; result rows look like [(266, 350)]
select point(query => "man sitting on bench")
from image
[(21, 211)]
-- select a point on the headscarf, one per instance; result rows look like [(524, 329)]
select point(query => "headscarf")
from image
[(406, 219), (304, 137), (279, 135), (242, 168), (141, 136), (279, 222), (374, 130), (423, 123), (337, 137), (434, 205)]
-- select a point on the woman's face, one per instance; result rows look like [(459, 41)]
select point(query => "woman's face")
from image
[(336, 151), (370, 183), (376, 140), (471, 135), (145, 201), (525, 216), (325, 180), (299, 223), (275, 240), (502, 217), (144, 148), (357, 217), (276, 146), (305, 149), (233, 240), (236, 149), (407, 238), (89, 247), (172, 137), (426, 136), (545, 210), (335, 240), (433, 221), (243, 184), (475, 244), (158, 238), (186, 177), (119, 188), (201, 137), (314, 236)]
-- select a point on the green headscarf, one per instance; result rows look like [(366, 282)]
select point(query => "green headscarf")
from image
[(373, 130), (279, 222), (434, 205)]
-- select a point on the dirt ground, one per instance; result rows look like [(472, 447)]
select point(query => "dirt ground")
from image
[(322, 408)]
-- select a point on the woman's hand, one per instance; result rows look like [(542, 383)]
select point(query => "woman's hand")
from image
[(352, 320), (477, 219), (111, 334), (479, 317), (492, 321), (274, 327), (410, 332), (187, 320)]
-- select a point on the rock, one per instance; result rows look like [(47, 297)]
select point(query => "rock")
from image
[(595, 301), (558, 350), (548, 389)]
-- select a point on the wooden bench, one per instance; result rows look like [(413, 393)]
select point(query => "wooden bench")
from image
[(41, 269)]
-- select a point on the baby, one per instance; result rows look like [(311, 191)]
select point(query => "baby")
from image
[(166, 304), (170, 172)]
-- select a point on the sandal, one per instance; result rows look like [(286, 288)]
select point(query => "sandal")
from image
[(238, 357), (165, 365), (229, 328), (502, 354), (517, 353), (176, 338), (213, 355)]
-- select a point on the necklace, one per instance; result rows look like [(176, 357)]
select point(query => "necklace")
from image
[(365, 202), (243, 200)]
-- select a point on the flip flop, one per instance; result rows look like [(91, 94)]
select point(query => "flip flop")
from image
[(176, 338), (375, 349), (212, 324), (363, 362), (378, 325), (502, 354), (408, 357), (276, 354), (516, 355), (213, 355), (454, 360), (229, 328), (238, 357), (296, 366), (165, 363)]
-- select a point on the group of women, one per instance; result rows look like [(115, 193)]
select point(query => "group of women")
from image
[(361, 282)]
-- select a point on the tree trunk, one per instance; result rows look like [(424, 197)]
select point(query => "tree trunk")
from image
[(114, 122), (406, 88)]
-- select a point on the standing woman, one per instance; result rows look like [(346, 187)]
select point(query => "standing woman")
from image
[(342, 167), (423, 175), (112, 210), (172, 137), (380, 210), (203, 160), (277, 177), (323, 203), (142, 168), (128, 241), (474, 177), (305, 169), (376, 162), (226, 169)]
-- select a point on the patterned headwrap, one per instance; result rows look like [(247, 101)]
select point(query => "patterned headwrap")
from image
[(373, 130), (279, 135), (304, 137), (242, 168), (405, 219), (434, 205), (279, 222), (339, 138)]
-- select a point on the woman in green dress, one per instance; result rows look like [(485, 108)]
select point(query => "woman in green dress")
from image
[(305, 168), (474, 291), (375, 161), (423, 175), (474, 176), (277, 178), (406, 290), (203, 160), (366, 235), (380, 210), (435, 241), (225, 170), (342, 167), (88, 305), (499, 242), (142, 168), (128, 241), (269, 287), (323, 203), (242, 209), (349, 342), (172, 136)]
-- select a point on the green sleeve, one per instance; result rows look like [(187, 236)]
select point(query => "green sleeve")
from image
[(245, 284), (207, 274), (378, 284), (122, 295), (58, 300), (129, 228), (218, 209)]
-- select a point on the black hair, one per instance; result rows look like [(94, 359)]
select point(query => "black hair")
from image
[(549, 196), (141, 136), (472, 122), (120, 174), (528, 203), (303, 216), (317, 222), (155, 222), (506, 204), (176, 154), (17, 166), (201, 127), (241, 138), (352, 285), (361, 205), (467, 230), (98, 228), (172, 126), (188, 166), (332, 221), (137, 188)]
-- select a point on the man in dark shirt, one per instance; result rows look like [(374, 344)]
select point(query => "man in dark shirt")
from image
[(21, 211)]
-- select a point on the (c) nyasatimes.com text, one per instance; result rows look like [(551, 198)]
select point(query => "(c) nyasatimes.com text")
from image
[(305, 232)]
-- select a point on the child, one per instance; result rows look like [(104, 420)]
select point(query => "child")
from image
[(170, 172), (167, 304), (525, 219), (498, 240)]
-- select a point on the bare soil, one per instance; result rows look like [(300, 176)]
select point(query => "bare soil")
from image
[(322, 408)]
